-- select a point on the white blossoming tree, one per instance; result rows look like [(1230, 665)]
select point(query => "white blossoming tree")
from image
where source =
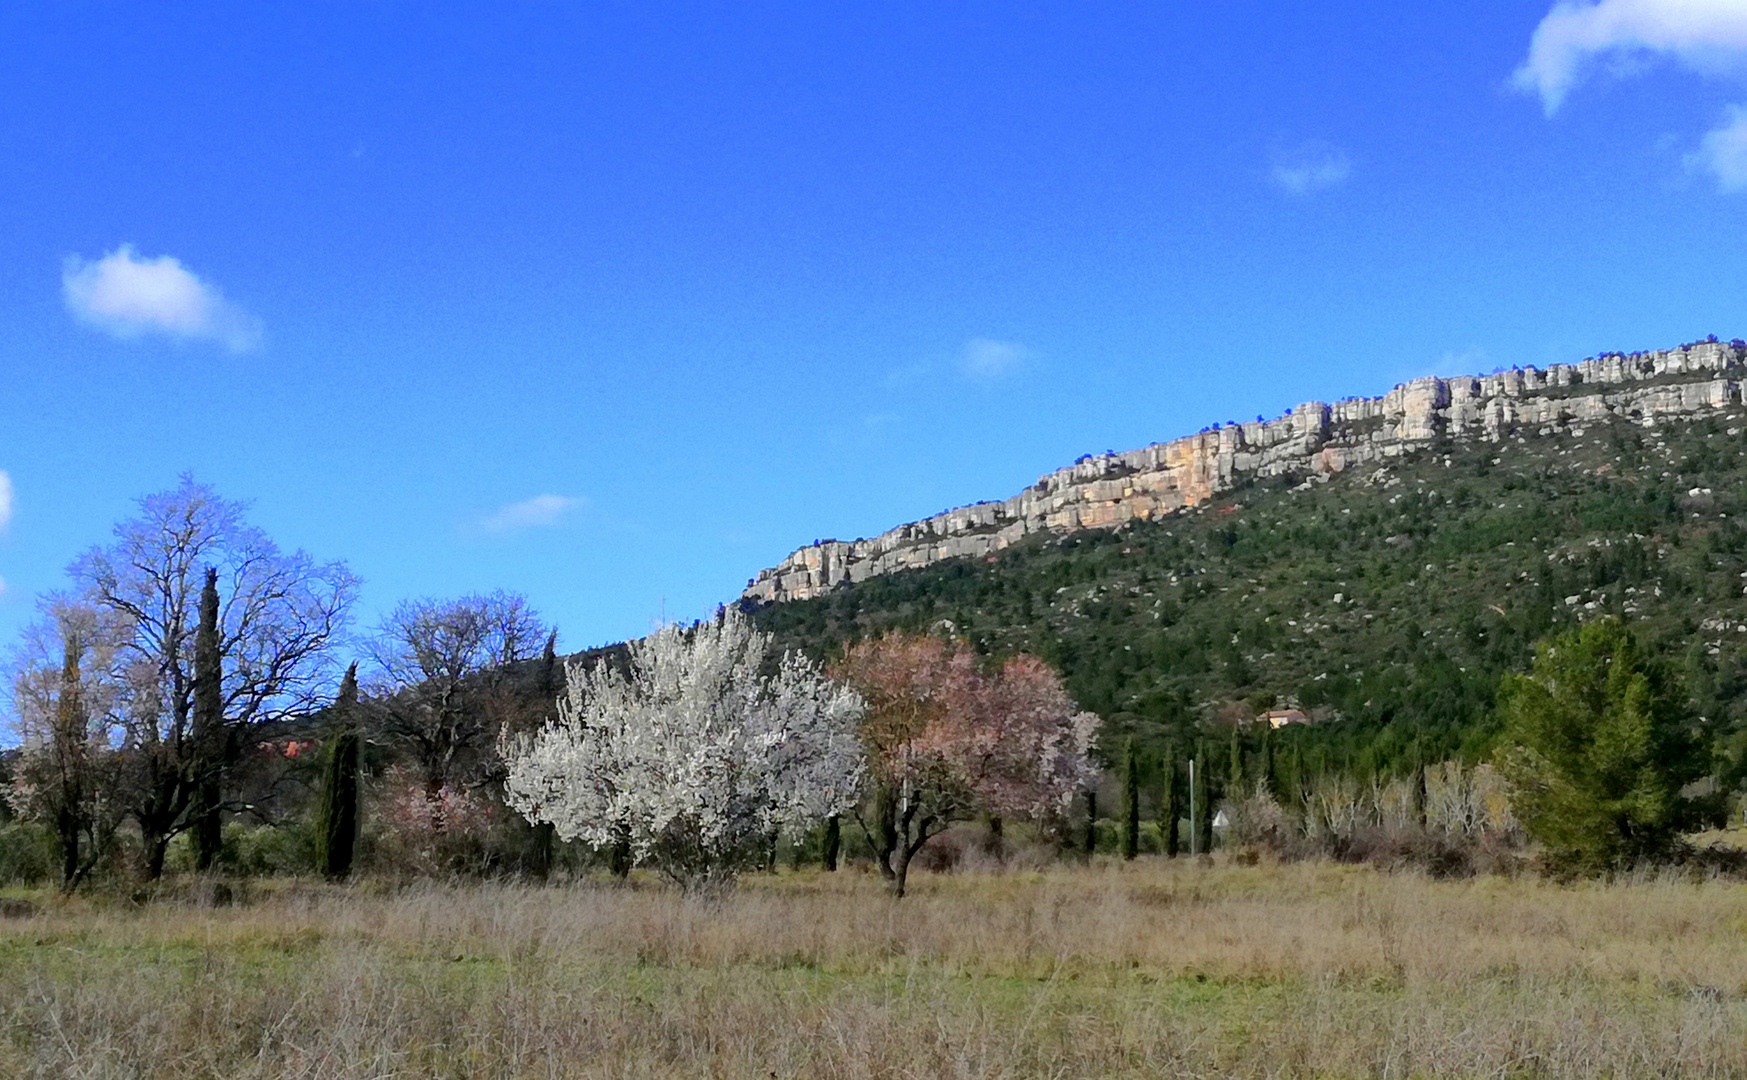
[(690, 756)]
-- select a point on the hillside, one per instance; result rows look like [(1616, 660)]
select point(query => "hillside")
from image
[(1385, 600)]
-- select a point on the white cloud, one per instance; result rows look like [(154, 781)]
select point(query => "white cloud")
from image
[(534, 513), (127, 296), (1312, 167), (1723, 152), (984, 358), (5, 500), (1704, 34)]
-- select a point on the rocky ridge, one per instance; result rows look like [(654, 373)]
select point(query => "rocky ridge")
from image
[(1314, 441)]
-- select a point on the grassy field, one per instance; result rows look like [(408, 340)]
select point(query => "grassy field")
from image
[(1148, 969)]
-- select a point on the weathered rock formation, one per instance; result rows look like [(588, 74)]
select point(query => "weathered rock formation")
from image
[(1313, 439)]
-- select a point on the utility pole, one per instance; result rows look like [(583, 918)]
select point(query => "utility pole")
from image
[(1194, 833)]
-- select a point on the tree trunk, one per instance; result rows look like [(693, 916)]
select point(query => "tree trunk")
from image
[(997, 843), (540, 849), (156, 845), (898, 876), (833, 842), (619, 855)]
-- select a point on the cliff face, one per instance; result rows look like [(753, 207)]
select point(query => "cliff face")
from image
[(1311, 440)]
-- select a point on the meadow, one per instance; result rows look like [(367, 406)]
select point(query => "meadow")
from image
[(1150, 968)]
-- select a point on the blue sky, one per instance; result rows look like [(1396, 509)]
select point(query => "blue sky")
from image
[(614, 305)]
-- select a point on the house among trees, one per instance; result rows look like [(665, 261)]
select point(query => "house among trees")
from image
[(1278, 718)]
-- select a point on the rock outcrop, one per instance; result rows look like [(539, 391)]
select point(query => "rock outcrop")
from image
[(1311, 440)]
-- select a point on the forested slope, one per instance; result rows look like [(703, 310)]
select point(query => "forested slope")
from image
[(1385, 602)]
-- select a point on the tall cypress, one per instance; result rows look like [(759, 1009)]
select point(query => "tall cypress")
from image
[(1234, 775), (1091, 821), (1173, 806), (1417, 792), (1204, 810), (544, 837), (72, 729), (337, 815), (1269, 783), (1130, 800), (207, 761)]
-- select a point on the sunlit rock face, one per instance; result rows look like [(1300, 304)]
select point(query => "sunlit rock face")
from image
[(1106, 490)]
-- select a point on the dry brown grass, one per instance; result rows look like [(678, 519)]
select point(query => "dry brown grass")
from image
[(1150, 969)]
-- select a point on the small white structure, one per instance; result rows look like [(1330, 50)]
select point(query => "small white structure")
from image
[(1278, 718)]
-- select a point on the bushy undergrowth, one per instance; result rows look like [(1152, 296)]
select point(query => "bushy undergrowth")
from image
[(27, 853)]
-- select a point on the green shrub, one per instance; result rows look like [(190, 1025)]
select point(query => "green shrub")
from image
[(28, 854), (269, 850)]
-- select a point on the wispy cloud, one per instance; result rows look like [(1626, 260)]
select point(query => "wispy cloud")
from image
[(1314, 166), (537, 512), (1723, 152), (985, 358), (127, 296), (5, 500), (1708, 36), (1704, 34)]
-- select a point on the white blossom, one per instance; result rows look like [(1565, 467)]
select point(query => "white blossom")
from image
[(688, 754)]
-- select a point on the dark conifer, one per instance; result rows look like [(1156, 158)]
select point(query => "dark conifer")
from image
[(337, 813), (1234, 776), (544, 838), (207, 762), (1173, 806), (1130, 800), (1204, 808)]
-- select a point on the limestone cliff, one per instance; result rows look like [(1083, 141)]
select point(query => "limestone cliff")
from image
[(1312, 440)]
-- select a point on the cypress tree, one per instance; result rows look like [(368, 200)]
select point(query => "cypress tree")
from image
[(1418, 791), (207, 761), (1173, 806), (337, 813), (1204, 810), (541, 843), (1269, 783), (71, 731), (1091, 821), (1130, 800), (1234, 777)]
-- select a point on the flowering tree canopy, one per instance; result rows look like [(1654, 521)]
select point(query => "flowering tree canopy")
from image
[(688, 753), (945, 739)]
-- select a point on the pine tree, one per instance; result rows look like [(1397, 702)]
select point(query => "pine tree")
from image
[(1598, 745), (1130, 800), (208, 760), (1173, 806), (337, 814)]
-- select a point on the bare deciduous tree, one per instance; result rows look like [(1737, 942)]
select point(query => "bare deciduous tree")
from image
[(68, 771), (279, 617), (445, 684)]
